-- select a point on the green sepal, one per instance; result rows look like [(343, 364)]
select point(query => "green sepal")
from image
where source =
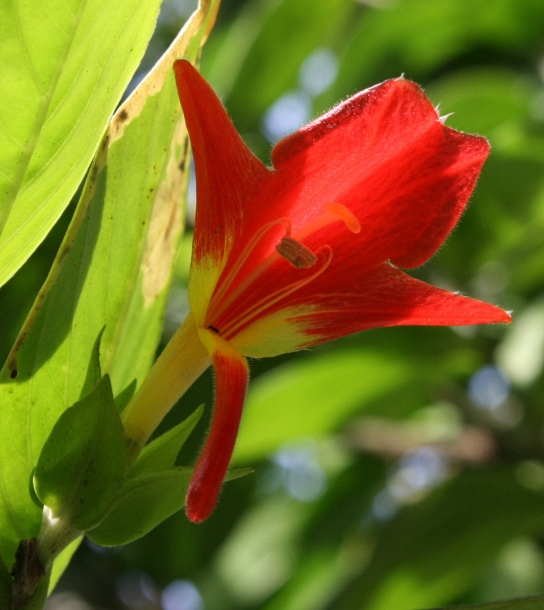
[(146, 501), (94, 370), (80, 471), (238, 473), (123, 398), (162, 452)]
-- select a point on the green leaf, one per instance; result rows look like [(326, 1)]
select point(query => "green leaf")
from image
[(535, 602), (238, 473), (67, 65), (162, 452), (482, 100), (434, 550), (421, 39), (123, 398), (113, 270), (278, 402), (146, 501), (5, 586), (258, 43), (61, 563), (81, 468)]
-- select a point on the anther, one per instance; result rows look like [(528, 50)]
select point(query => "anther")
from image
[(297, 254)]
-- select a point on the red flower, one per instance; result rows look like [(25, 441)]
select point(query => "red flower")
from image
[(310, 250)]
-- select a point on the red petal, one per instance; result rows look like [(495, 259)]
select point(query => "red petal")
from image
[(385, 155), (231, 378), (227, 172), (388, 297)]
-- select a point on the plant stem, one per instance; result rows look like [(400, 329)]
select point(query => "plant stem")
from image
[(36, 600), (56, 534)]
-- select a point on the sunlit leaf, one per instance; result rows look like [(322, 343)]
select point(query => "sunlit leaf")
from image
[(297, 401), (62, 561), (94, 370), (64, 67), (112, 270)]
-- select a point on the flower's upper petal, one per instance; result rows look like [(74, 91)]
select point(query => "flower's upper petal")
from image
[(386, 155), (227, 175), (227, 172)]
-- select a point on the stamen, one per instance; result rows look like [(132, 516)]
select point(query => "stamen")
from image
[(221, 297), (325, 253), (291, 248), (296, 253)]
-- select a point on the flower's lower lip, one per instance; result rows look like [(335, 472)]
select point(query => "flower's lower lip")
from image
[(231, 379)]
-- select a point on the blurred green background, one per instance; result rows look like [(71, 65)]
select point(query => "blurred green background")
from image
[(396, 469)]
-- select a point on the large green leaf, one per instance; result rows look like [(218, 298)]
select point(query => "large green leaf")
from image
[(419, 38), (535, 602), (283, 34), (65, 66), (435, 550), (279, 402), (112, 270)]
